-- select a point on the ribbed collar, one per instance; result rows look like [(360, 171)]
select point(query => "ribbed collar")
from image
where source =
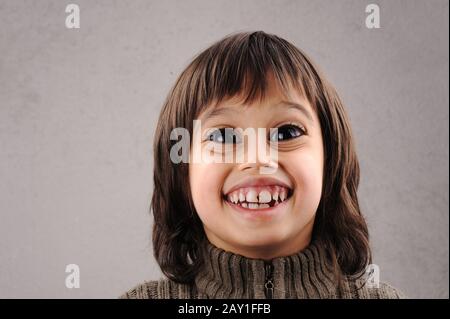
[(306, 274)]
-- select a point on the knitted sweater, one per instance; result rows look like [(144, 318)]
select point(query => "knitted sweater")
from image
[(306, 274)]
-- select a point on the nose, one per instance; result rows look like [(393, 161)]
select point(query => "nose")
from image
[(259, 154)]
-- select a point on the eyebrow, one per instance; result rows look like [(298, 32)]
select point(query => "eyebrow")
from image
[(291, 105), (216, 112), (297, 106)]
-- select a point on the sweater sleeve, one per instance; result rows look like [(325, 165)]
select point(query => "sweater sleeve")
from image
[(146, 290), (386, 291)]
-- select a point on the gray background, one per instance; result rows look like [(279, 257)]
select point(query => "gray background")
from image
[(78, 110)]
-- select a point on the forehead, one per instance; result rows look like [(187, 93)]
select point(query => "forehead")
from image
[(274, 98)]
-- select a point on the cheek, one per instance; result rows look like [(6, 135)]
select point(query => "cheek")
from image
[(206, 181), (307, 171)]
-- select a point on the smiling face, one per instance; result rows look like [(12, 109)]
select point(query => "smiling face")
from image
[(248, 212)]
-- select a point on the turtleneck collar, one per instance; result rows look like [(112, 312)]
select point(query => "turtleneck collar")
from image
[(306, 274)]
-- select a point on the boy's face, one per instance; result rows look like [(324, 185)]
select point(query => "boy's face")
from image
[(244, 209)]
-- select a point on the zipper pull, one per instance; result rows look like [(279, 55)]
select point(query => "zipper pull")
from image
[(268, 285)]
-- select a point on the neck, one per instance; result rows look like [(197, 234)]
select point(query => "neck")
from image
[(265, 252)]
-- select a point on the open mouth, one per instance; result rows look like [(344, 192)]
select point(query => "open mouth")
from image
[(261, 197)]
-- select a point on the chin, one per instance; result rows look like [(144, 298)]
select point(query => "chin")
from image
[(257, 239)]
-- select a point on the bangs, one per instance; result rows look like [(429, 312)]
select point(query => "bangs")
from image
[(239, 66)]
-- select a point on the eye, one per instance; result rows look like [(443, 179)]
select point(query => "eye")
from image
[(286, 132), (224, 135)]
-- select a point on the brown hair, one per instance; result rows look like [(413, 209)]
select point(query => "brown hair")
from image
[(238, 65)]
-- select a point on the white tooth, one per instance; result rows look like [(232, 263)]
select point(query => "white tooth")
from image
[(251, 196), (264, 206), (235, 198), (275, 196), (230, 197), (244, 205), (253, 205), (283, 194), (264, 196), (241, 197)]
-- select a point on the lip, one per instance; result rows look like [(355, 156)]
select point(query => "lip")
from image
[(258, 181)]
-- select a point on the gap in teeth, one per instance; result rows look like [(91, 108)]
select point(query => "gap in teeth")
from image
[(259, 197)]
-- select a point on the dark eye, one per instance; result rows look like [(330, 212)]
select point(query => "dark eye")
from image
[(224, 135), (286, 132)]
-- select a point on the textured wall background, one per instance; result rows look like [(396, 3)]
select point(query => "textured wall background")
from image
[(78, 110)]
